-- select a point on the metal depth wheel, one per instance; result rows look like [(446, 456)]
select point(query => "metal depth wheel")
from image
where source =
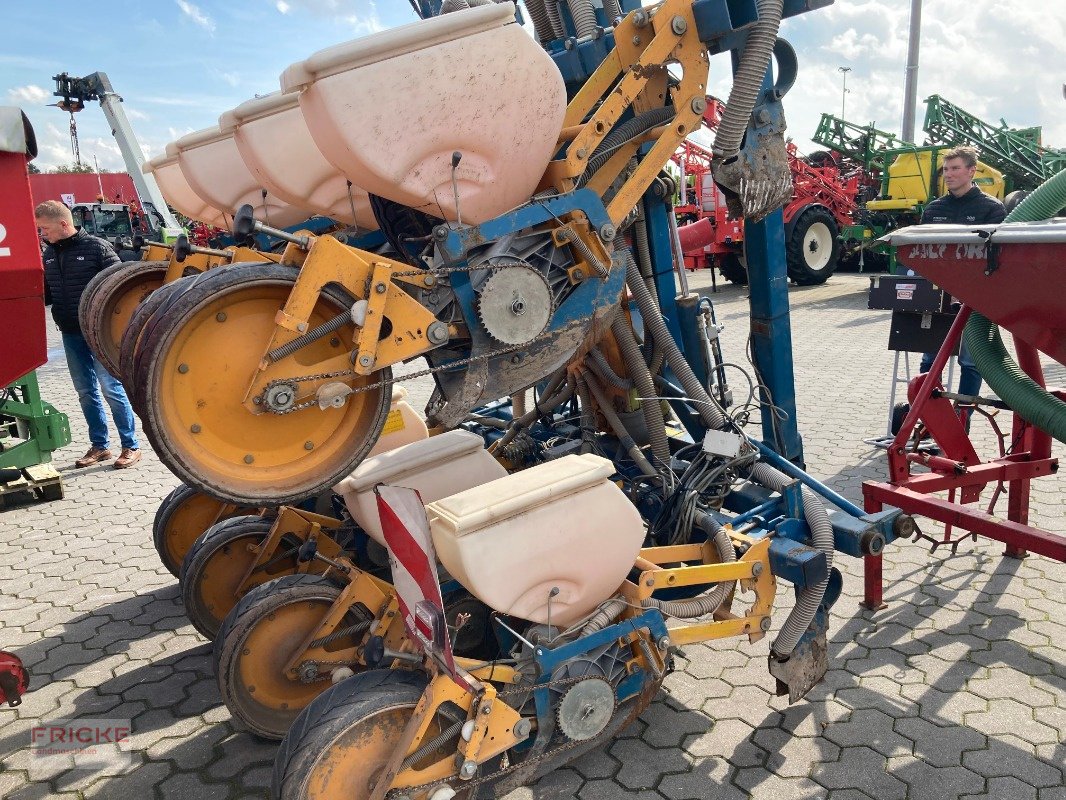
[(182, 516), (341, 742), (217, 561), (113, 304), (813, 247), (142, 323), (193, 393), (257, 640)]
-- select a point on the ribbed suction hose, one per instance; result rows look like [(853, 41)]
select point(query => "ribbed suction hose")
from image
[(680, 609), (807, 600), (1009, 381), (613, 10), (584, 16), (649, 405), (551, 9), (542, 23), (748, 80), (708, 410)]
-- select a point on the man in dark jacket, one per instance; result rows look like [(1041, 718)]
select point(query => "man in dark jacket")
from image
[(71, 260), (964, 204)]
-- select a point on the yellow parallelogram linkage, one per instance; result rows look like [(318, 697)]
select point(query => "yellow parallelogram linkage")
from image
[(752, 570), (396, 326)]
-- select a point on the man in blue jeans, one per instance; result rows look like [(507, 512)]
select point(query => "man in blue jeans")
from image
[(71, 260)]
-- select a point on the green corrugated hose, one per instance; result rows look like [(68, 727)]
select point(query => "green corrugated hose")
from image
[(985, 344)]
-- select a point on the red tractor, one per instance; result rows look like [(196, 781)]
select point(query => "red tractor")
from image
[(825, 196)]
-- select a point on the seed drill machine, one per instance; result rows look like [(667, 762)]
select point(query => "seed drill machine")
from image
[(525, 240)]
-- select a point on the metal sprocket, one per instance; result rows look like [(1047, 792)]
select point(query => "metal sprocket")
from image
[(515, 302), (585, 709)]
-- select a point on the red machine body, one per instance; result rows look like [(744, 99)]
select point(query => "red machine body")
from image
[(706, 227), (1014, 283), (23, 344), (14, 680)]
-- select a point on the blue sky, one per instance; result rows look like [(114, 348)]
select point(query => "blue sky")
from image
[(179, 64)]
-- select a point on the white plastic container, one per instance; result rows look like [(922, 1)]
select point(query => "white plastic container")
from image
[(178, 194), (403, 426), (388, 111), (276, 146), (437, 467), (559, 524), (214, 168)]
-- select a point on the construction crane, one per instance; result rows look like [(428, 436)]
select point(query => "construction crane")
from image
[(74, 93), (1017, 153)]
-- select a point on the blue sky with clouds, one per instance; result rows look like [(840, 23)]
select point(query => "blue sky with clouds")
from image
[(179, 64)]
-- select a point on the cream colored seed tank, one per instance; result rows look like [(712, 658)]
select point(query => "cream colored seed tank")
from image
[(562, 524), (390, 109)]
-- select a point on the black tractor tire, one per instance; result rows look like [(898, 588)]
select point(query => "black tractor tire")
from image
[(733, 269), (813, 248), (260, 607), (1014, 199)]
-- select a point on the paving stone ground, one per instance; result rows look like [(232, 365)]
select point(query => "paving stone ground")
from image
[(956, 690)]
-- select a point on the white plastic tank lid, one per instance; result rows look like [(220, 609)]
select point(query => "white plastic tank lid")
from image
[(396, 42), (171, 150), (201, 138), (256, 108)]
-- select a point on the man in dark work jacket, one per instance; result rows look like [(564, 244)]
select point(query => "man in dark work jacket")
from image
[(964, 204), (71, 260)]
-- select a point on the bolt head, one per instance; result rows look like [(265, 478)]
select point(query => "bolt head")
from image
[(678, 25), (765, 623), (756, 569), (183, 368), (636, 41), (248, 459), (699, 104), (440, 233), (663, 644), (608, 232), (302, 327), (468, 770), (380, 288), (309, 445), (195, 428), (220, 316), (365, 361)]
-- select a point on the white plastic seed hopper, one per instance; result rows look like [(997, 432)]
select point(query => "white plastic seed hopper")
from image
[(177, 192), (276, 146), (390, 109), (214, 168)]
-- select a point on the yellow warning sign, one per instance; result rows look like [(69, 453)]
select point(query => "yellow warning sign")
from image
[(394, 422)]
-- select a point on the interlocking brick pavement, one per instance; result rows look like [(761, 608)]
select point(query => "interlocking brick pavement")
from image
[(957, 689)]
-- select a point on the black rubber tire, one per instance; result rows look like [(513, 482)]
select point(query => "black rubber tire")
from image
[(87, 300), (170, 504), (732, 269), (1013, 199), (814, 229), (95, 317), (132, 336), (215, 547), (401, 223), (333, 712), (265, 490), (259, 604)]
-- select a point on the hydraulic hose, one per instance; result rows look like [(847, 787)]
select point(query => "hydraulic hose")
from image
[(588, 419), (748, 79), (584, 16), (626, 132), (553, 396), (808, 599), (638, 370), (708, 410), (616, 425), (1024, 395), (680, 609), (542, 23), (601, 368)]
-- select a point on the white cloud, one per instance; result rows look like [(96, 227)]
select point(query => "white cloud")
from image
[(30, 94), (282, 6), (194, 13)]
